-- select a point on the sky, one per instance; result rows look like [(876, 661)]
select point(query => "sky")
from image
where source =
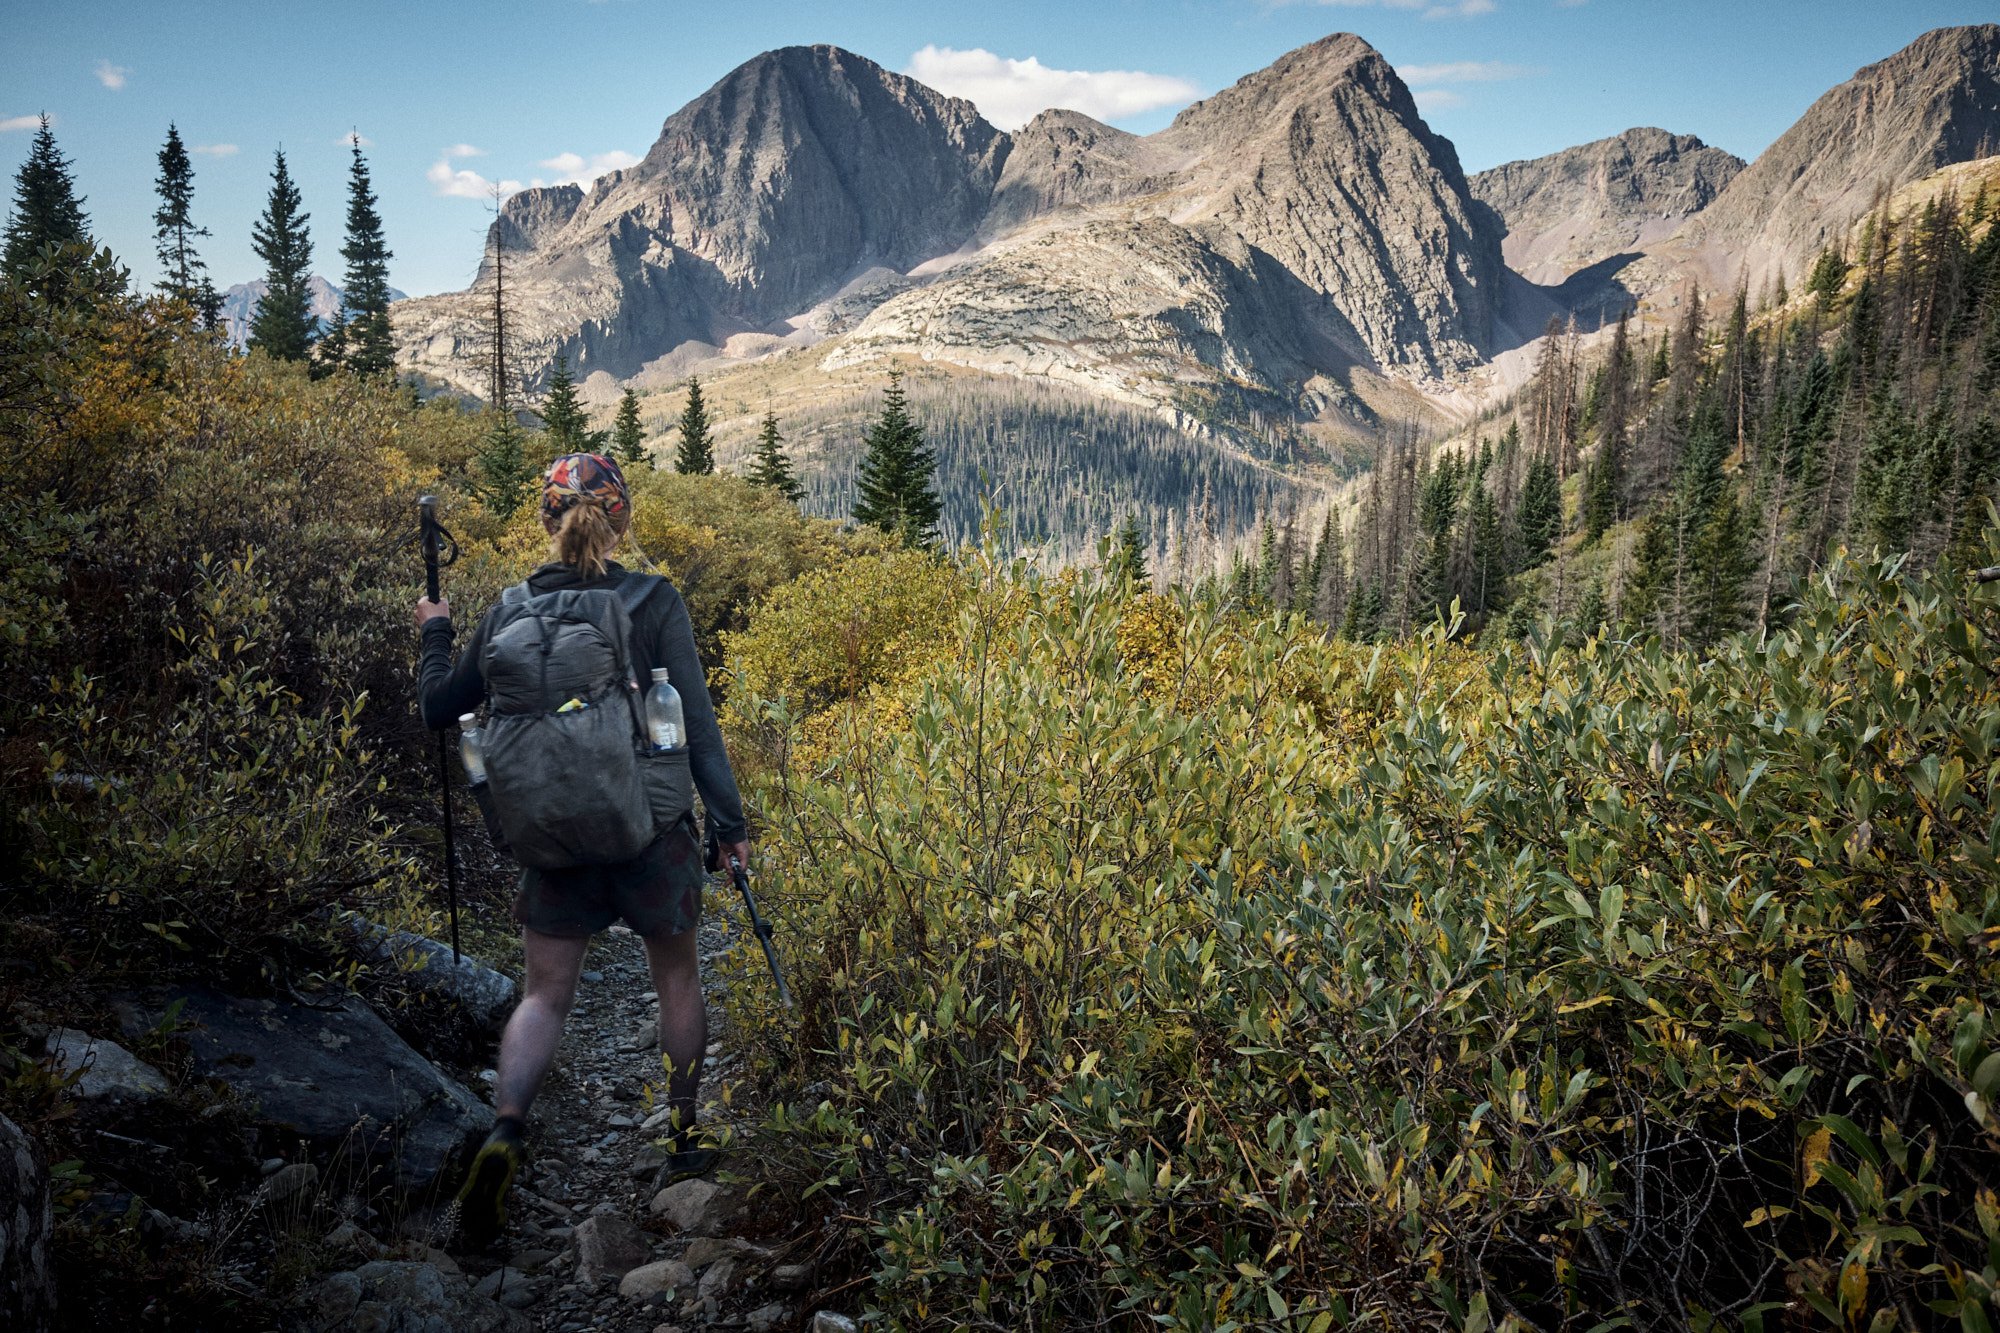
[(450, 97)]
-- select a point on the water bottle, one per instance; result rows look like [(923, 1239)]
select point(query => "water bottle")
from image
[(470, 749), (664, 719)]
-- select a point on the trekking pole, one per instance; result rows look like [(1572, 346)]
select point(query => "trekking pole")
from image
[(761, 927), (1990, 574), (433, 538)]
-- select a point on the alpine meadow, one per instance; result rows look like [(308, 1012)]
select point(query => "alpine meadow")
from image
[(1231, 724)]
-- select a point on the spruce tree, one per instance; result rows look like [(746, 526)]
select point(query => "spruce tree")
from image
[(506, 477), (773, 468), (283, 325), (895, 489), (371, 350), (183, 275), (47, 210), (1538, 519), (696, 452), (565, 423), (1127, 563), (628, 434)]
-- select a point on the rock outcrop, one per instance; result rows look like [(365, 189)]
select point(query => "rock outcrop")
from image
[(1301, 221), (27, 1287), (1934, 103), (1584, 205)]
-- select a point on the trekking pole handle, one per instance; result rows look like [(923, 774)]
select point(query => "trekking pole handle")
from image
[(428, 535)]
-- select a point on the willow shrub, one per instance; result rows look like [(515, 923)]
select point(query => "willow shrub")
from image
[(1167, 968)]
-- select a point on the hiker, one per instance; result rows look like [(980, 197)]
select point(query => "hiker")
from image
[(586, 509)]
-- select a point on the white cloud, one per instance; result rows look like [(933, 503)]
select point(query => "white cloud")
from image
[(1437, 99), (1463, 71), (1009, 92), (464, 150), (23, 123), (110, 75), (576, 169), (215, 149), (458, 183)]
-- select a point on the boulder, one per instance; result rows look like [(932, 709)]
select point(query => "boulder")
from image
[(338, 1079), (484, 997), (697, 1207), (286, 1181), (791, 1277), (826, 1321), (608, 1247), (108, 1072), (391, 1297), (705, 1250), (654, 1278), (769, 1318), (510, 1287), (723, 1277), (27, 1288)]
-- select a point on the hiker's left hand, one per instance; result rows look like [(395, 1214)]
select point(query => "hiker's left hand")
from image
[(739, 850), (429, 610)]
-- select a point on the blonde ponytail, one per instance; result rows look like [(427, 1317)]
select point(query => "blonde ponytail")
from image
[(584, 538)]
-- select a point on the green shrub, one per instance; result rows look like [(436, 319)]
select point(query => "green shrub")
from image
[(1543, 988)]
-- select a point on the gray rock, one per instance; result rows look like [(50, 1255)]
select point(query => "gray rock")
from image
[(510, 1287), (286, 1181), (608, 1247), (483, 995), (654, 1278), (338, 1079), (697, 1207), (705, 1250), (769, 1318), (394, 1297), (109, 1072), (791, 1277), (349, 1238), (723, 1277), (27, 1287), (826, 1321)]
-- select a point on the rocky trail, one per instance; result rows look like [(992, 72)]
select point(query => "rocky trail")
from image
[(592, 1241)]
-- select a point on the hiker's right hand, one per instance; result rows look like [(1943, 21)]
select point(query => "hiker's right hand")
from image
[(428, 610)]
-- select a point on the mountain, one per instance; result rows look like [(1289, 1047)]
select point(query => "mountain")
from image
[(1297, 226), (239, 305), (799, 171), (1934, 103), (1570, 210)]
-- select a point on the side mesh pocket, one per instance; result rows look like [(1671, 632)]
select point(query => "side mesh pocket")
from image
[(669, 786)]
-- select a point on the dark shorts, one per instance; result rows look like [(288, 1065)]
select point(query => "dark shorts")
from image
[(657, 893)]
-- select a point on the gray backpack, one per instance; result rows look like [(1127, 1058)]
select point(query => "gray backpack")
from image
[(571, 773)]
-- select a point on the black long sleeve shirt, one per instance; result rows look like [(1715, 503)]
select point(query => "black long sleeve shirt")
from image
[(661, 636)]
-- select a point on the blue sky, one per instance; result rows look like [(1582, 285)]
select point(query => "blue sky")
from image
[(559, 89)]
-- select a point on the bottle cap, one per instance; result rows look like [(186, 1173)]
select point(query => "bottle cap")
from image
[(659, 673), (467, 719)]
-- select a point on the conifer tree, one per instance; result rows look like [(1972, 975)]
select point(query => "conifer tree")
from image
[(283, 325), (506, 476), (895, 489), (773, 468), (1330, 573), (695, 455), (1127, 564), (183, 276), (47, 210), (565, 422), (1538, 520), (371, 350), (628, 435)]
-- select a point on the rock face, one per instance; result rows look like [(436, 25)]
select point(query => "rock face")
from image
[(1303, 220), (239, 305), (27, 1288), (106, 1070), (391, 1297), (803, 168), (339, 1079), (1572, 209), (1934, 103), (481, 996)]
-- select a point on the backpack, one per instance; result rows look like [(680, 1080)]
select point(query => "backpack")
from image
[(571, 773)]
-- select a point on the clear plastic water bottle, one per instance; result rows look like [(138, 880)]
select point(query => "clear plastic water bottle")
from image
[(664, 718), (471, 749)]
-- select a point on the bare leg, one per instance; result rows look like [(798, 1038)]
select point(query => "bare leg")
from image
[(683, 1019), (528, 1046)]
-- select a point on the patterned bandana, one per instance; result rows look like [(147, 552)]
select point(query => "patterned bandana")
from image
[(574, 478)]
